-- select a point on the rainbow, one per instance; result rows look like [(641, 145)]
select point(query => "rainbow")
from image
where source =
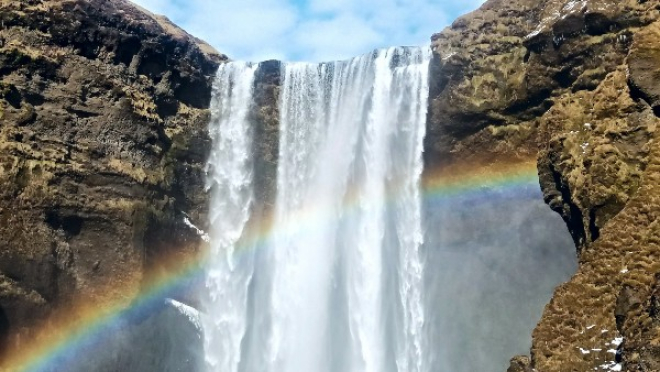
[(84, 326), (473, 179)]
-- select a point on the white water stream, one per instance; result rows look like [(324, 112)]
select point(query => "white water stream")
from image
[(336, 284), (230, 176)]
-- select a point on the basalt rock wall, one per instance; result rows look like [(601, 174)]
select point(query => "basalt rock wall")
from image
[(103, 143), (574, 84)]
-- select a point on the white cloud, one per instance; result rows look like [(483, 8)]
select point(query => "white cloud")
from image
[(339, 37), (312, 30)]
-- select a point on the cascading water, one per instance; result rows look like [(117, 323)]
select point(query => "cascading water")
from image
[(230, 178), (336, 284)]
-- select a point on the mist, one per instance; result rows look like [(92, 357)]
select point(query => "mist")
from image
[(493, 259)]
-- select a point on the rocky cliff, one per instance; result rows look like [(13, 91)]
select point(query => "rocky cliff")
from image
[(575, 84), (103, 143), (103, 115)]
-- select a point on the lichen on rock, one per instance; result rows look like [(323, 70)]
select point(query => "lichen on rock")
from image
[(575, 84), (103, 140)]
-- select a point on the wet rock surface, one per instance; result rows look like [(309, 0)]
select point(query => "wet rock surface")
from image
[(265, 120), (575, 84), (103, 142)]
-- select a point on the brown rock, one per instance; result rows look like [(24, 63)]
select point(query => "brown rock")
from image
[(519, 364), (577, 84), (481, 100), (264, 118), (103, 116)]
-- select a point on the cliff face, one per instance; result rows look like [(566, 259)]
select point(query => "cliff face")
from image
[(574, 83), (103, 140), (103, 115)]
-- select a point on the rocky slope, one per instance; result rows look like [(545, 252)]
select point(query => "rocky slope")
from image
[(103, 140), (575, 84)]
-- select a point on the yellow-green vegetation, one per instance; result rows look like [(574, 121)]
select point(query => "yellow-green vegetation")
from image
[(575, 83), (91, 166)]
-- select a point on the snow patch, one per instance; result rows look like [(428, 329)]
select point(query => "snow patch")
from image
[(534, 33), (584, 146), (444, 58), (574, 6), (612, 366), (190, 312), (202, 234)]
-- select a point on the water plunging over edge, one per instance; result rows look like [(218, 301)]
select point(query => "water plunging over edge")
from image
[(342, 263), (230, 181)]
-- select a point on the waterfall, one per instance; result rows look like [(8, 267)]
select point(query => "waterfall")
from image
[(230, 180), (336, 284)]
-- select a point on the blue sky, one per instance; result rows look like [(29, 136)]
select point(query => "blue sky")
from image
[(309, 30)]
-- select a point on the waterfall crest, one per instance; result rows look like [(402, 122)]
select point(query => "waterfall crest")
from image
[(336, 283)]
